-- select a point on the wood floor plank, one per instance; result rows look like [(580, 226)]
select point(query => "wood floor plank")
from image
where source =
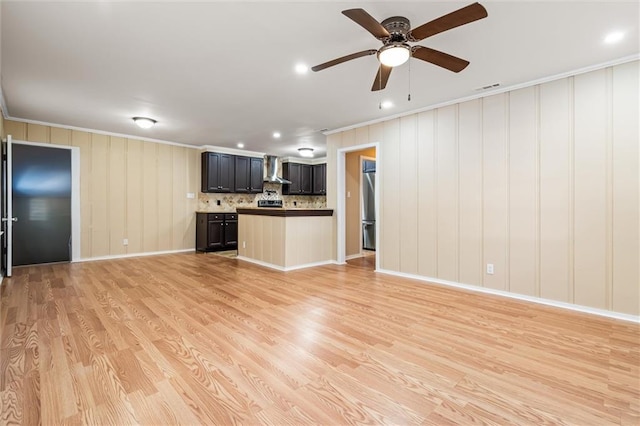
[(197, 339)]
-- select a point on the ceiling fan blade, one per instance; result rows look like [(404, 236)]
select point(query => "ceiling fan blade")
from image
[(368, 22), (441, 59), (344, 59), (382, 76), (467, 14)]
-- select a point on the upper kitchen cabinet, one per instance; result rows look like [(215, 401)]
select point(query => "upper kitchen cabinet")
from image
[(218, 172), (249, 173), (319, 174), (300, 176)]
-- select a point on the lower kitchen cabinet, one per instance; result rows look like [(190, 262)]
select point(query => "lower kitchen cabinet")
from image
[(216, 231)]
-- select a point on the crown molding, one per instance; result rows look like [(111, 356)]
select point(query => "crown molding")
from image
[(3, 104), (102, 132), (499, 90), (232, 151), (301, 160)]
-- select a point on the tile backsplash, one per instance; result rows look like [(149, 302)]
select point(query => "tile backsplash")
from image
[(230, 202)]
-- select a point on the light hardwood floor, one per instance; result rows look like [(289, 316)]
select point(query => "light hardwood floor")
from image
[(202, 339)]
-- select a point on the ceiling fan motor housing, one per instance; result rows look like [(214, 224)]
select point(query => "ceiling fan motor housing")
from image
[(398, 27)]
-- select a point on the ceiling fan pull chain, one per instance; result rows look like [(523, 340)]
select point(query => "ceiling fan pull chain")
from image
[(409, 95), (380, 86)]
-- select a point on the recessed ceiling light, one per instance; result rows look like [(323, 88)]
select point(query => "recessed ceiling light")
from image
[(301, 69), (386, 104), (306, 152), (144, 122), (240, 145), (276, 135), (614, 37)]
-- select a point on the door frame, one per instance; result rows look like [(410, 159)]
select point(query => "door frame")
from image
[(341, 204), (75, 193)]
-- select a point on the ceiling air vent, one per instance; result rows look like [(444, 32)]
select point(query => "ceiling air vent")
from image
[(490, 86)]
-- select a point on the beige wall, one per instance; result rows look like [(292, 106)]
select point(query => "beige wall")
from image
[(542, 182), (353, 219), (128, 189)]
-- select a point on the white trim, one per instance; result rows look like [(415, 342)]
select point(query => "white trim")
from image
[(312, 161), (75, 193), (124, 256), (533, 299), (283, 268), (232, 151), (101, 132), (340, 202), (542, 80), (75, 204), (3, 104)]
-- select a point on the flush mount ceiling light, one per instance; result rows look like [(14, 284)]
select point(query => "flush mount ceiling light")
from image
[(276, 135), (144, 122), (306, 152), (394, 54)]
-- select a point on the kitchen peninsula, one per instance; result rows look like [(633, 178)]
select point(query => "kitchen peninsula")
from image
[(285, 239)]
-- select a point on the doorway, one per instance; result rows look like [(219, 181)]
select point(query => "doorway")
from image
[(41, 187), (43, 190), (349, 204)]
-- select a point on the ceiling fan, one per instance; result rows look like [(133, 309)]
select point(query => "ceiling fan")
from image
[(395, 33)]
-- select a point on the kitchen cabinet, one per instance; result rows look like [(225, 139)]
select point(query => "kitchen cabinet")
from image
[(216, 231), (305, 179), (300, 176), (218, 172), (319, 173), (249, 173)]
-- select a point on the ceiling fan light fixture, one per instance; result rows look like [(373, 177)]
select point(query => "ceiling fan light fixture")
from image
[(144, 122), (394, 54), (305, 152)]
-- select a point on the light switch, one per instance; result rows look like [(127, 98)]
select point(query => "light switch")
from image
[(348, 194)]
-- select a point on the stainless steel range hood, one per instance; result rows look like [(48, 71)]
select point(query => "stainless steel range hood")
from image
[(271, 162)]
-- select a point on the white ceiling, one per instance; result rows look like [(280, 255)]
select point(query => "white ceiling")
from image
[(217, 73)]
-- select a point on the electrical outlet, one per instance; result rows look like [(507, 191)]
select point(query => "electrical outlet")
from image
[(490, 268), (348, 194), (244, 244), (125, 242), (218, 202), (191, 195)]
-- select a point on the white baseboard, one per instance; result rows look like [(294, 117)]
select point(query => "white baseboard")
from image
[(285, 269), (539, 300), (123, 256)]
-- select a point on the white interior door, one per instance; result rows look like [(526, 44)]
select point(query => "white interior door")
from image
[(7, 211)]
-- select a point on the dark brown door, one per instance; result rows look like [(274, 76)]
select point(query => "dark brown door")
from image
[(243, 175), (257, 172), (215, 234)]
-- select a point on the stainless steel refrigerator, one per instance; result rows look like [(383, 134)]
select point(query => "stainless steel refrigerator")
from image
[(369, 205)]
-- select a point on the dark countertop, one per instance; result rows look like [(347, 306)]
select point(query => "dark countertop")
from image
[(282, 212), (217, 212)]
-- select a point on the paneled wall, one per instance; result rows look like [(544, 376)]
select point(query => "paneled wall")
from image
[(542, 182), (128, 189)]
